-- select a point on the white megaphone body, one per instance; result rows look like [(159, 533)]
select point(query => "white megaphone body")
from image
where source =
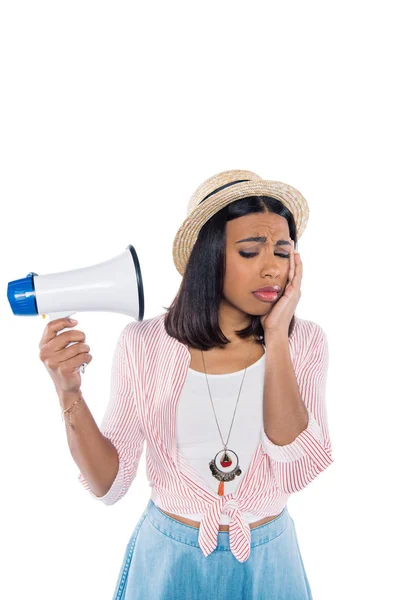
[(115, 285)]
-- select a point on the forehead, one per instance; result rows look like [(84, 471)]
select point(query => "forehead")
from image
[(269, 224)]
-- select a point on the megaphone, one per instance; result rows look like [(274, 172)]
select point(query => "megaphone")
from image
[(115, 285)]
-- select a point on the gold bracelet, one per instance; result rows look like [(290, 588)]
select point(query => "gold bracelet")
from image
[(71, 407)]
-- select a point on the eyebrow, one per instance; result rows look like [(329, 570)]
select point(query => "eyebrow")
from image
[(263, 239)]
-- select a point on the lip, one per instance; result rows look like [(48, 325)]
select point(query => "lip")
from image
[(266, 296), (269, 288)]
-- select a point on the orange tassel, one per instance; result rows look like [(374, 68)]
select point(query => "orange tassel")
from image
[(221, 488)]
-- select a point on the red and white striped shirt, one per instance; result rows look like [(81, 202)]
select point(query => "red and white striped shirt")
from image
[(148, 373)]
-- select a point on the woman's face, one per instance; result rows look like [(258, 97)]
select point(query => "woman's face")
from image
[(268, 263)]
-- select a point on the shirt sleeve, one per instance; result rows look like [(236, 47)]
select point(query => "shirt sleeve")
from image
[(296, 464), (121, 426)]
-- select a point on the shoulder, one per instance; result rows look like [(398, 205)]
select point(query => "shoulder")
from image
[(310, 339), (308, 330), (146, 331)]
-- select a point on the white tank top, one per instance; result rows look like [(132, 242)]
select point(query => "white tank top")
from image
[(198, 438)]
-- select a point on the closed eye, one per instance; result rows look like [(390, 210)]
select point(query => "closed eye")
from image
[(251, 254)]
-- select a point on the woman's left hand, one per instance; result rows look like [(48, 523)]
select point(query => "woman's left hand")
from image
[(278, 319)]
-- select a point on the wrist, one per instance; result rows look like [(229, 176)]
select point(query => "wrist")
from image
[(68, 398), (275, 334)]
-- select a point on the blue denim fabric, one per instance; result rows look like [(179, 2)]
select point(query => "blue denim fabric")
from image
[(163, 561)]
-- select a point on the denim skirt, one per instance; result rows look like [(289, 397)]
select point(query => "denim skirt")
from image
[(163, 561)]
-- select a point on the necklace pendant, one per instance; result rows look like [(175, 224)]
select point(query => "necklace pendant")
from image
[(226, 472), (226, 460)]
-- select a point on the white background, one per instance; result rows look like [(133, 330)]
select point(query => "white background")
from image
[(111, 114)]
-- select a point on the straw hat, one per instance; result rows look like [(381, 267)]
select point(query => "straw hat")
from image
[(222, 189)]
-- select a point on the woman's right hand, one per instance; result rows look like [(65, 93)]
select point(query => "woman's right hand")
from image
[(63, 363)]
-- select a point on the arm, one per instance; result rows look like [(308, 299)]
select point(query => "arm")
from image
[(121, 428), (295, 413), (92, 452)]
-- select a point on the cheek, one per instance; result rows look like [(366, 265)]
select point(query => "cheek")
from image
[(237, 275)]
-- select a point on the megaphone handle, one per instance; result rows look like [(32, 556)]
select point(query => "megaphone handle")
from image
[(62, 315)]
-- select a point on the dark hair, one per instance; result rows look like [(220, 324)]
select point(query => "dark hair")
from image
[(192, 317)]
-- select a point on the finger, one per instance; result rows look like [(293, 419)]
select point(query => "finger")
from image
[(292, 264), (298, 271), (52, 328)]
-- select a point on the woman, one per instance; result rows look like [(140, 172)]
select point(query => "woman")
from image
[(250, 427)]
